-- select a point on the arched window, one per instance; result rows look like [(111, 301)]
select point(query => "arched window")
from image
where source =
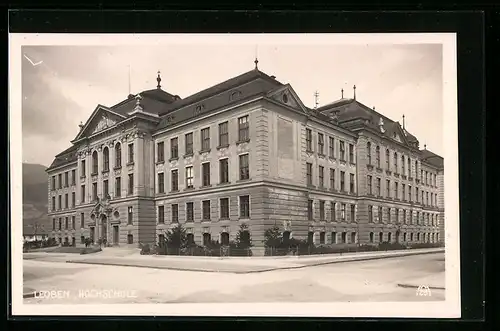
[(395, 162), (403, 165), (369, 152), (380, 237), (224, 239), (409, 167), (387, 159), (95, 163), (416, 170), (118, 155), (371, 237), (105, 154), (377, 156)]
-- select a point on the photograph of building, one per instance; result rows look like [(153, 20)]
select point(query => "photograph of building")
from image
[(246, 150)]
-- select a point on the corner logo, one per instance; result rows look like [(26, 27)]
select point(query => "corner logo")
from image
[(423, 291)]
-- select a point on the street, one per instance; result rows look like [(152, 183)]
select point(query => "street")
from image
[(372, 280)]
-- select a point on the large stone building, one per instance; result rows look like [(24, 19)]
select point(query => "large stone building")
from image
[(245, 150)]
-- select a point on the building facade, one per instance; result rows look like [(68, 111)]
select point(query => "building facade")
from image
[(244, 151)]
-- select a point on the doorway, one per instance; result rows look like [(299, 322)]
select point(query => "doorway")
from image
[(104, 227), (92, 234), (116, 235)]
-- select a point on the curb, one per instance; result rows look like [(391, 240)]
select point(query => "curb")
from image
[(353, 259), (416, 287)]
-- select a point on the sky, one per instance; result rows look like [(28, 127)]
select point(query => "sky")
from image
[(66, 87)]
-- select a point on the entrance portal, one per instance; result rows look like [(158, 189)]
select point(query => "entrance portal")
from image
[(116, 236), (104, 227)]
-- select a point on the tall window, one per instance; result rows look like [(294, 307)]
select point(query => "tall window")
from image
[(409, 193), (59, 177), (409, 167), (332, 179), (416, 169), (322, 210), (188, 143), (95, 163), (396, 190), (351, 153), (309, 140), (94, 191), (342, 151), (388, 188), (59, 198), (370, 214), (389, 211), (331, 147), (310, 214), (224, 171), (82, 189), (189, 211), (130, 183), (369, 184), (53, 186), (224, 208), (66, 202), (377, 156), (244, 167), (245, 206), (205, 169), (353, 213), (342, 181), (105, 154), (396, 213), (161, 182), (309, 169), (416, 194), (174, 148), (205, 206), (321, 174), (161, 214), (369, 152), (387, 159), (351, 183), (321, 143), (105, 188), (395, 162), (66, 179), (160, 151), (379, 189), (403, 170), (175, 213), (189, 177), (131, 153), (403, 192), (175, 180), (73, 177), (82, 220), (379, 213), (118, 186), (243, 127), (333, 211), (205, 139), (73, 199), (118, 155), (223, 134)]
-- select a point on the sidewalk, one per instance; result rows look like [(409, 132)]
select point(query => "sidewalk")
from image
[(237, 265)]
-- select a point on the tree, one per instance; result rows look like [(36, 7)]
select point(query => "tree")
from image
[(176, 237), (243, 237), (272, 237)]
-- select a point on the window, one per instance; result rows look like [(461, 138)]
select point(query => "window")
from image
[(322, 238), (409, 167), (224, 171), (60, 201), (333, 211), (118, 156), (244, 167), (105, 155), (82, 189), (82, 220), (379, 208), (205, 139), (73, 177), (309, 170), (416, 169), (175, 180), (377, 156), (243, 134), (189, 143), (396, 191), (95, 165), (161, 214), (387, 159), (245, 206), (403, 192), (379, 191), (94, 191), (342, 181), (404, 216), (130, 153), (130, 215), (389, 211), (409, 193), (160, 151), (310, 214), (205, 169), (224, 208), (332, 179), (334, 237), (351, 153), (331, 147), (369, 184), (189, 177), (59, 177), (396, 212), (66, 223), (321, 143), (223, 134), (342, 151), (321, 174), (175, 213), (205, 206), (371, 237), (353, 213), (161, 182), (322, 210), (130, 183), (73, 221), (370, 214), (66, 179), (309, 140), (342, 211), (207, 238), (54, 187), (60, 224), (53, 203), (403, 172), (53, 224), (351, 183), (73, 199), (189, 212), (105, 188), (130, 238), (66, 203), (396, 162), (118, 186), (369, 152), (416, 194), (174, 148)]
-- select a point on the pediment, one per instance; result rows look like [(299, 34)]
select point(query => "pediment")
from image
[(287, 96), (100, 120)]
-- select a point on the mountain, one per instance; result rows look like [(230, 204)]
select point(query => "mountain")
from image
[(35, 196)]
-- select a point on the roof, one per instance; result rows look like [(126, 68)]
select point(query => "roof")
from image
[(153, 101), (432, 158), (350, 109), (65, 157)]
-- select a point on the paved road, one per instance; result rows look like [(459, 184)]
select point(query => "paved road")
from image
[(374, 280)]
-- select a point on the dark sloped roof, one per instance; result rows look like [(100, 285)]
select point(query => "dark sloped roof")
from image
[(67, 156), (153, 101), (432, 159)]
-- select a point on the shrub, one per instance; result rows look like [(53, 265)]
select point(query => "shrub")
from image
[(389, 246), (145, 249)]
